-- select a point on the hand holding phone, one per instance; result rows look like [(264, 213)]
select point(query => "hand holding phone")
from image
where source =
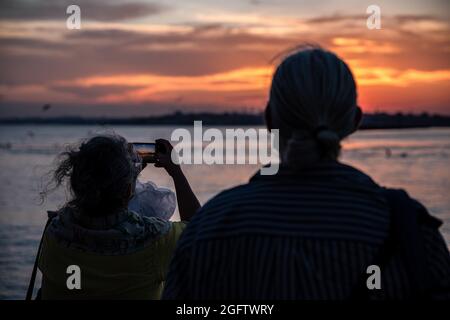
[(160, 153), (164, 158)]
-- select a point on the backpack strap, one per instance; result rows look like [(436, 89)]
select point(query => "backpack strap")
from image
[(406, 217), (405, 240), (29, 296)]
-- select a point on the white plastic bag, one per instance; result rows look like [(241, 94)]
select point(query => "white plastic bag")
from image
[(153, 201)]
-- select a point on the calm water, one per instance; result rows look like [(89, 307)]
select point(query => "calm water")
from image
[(418, 162)]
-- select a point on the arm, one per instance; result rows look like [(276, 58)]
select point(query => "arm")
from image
[(188, 203)]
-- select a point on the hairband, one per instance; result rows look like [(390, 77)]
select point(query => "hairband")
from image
[(319, 129)]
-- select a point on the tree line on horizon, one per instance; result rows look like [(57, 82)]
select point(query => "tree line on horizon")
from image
[(370, 120)]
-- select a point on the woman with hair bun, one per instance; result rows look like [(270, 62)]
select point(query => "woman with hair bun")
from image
[(315, 229)]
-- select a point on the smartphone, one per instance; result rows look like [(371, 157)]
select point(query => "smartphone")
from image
[(147, 150)]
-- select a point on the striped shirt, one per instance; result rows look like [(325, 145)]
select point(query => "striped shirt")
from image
[(308, 235)]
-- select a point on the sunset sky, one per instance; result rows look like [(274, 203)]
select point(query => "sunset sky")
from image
[(136, 57)]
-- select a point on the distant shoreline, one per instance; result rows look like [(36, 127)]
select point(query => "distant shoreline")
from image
[(370, 121)]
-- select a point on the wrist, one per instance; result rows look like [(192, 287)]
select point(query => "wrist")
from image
[(176, 172)]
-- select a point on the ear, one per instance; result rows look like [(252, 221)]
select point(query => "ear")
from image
[(358, 118), (268, 117)]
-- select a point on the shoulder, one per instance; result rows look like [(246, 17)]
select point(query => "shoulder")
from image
[(152, 225), (128, 235), (399, 200), (172, 233), (223, 211), (213, 209), (157, 230), (230, 198)]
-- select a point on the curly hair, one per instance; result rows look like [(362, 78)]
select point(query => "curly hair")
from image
[(99, 172)]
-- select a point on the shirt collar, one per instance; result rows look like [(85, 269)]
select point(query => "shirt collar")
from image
[(100, 222), (330, 167)]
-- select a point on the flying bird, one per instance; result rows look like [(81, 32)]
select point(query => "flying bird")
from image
[(46, 106)]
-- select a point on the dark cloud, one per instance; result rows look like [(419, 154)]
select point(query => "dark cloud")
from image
[(30, 43), (90, 10), (411, 17), (255, 2), (108, 52), (394, 21), (336, 18), (93, 92)]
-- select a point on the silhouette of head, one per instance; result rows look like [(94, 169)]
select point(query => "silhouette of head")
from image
[(102, 174), (313, 104)]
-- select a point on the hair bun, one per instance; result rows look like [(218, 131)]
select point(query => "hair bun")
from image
[(328, 140), (324, 134)]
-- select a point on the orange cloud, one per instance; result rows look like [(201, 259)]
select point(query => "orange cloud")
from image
[(354, 45), (157, 86), (242, 86), (398, 78)]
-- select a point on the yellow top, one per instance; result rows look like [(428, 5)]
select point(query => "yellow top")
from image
[(137, 275)]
